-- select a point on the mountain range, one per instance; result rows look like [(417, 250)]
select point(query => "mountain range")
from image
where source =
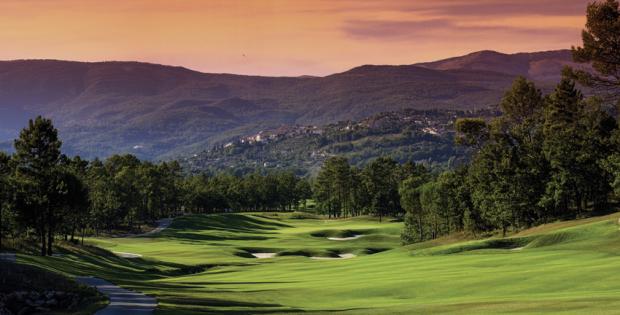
[(157, 112)]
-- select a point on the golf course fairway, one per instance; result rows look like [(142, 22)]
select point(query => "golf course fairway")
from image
[(204, 264)]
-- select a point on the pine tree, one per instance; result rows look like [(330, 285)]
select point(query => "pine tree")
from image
[(37, 154)]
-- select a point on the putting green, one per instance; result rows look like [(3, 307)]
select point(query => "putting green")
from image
[(204, 265)]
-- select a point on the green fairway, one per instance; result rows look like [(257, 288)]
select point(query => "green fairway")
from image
[(204, 264)]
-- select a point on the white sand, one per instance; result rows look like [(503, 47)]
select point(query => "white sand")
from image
[(518, 248), (127, 255), (345, 238), (341, 256), (264, 255)]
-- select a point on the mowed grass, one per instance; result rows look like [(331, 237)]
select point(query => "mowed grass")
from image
[(202, 265)]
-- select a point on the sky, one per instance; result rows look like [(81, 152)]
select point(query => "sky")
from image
[(282, 37)]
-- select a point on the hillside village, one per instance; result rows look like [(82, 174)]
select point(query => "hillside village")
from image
[(425, 135)]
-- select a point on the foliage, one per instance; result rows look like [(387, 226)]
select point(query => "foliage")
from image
[(601, 43)]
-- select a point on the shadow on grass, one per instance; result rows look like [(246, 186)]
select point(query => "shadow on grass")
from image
[(195, 237), (221, 222), (95, 261), (187, 305)]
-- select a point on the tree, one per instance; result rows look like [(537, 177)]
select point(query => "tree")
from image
[(5, 195), (303, 191), (601, 48), (612, 164), (76, 202), (104, 198), (471, 132), (333, 186), (409, 191), (563, 147), (522, 102), (490, 175), (37, 154), (381, 177)]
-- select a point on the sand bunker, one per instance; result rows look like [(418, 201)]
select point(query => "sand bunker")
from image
[(127, 255), (345, 238), (341, 256), (264, 255)]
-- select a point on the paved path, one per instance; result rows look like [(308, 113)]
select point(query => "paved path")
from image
[(161, 225), (10, 257), (122, 301)]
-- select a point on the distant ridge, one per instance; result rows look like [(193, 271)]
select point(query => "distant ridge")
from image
[(544, 65), (157, 111)]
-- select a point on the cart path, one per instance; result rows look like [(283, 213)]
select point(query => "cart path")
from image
[(122, 301)]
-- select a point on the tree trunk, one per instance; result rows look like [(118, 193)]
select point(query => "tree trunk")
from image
[(1, 226), (50, 240), (420, 227), (42, 236), (83, 231), (50, 229)]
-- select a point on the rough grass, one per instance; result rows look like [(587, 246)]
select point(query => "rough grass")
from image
[(201, 265)]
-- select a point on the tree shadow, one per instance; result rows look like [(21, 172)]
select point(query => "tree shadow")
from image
[(220, 222), (196, 237)]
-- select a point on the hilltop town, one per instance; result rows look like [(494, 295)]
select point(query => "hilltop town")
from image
[(422, 136)]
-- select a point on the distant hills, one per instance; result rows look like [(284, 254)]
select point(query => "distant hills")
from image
[(157, 111)]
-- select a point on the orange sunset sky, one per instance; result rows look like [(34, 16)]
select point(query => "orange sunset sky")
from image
[(277, 37)]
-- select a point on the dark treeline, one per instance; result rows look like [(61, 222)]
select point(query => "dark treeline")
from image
[(342, 190), (272, 191), (45, 195)]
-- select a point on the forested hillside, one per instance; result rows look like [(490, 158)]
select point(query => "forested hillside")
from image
[(156, 111), (420, 136)]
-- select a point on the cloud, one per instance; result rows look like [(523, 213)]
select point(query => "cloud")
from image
[(510, 7), (369, 29), (441, 29), (456, 7)]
